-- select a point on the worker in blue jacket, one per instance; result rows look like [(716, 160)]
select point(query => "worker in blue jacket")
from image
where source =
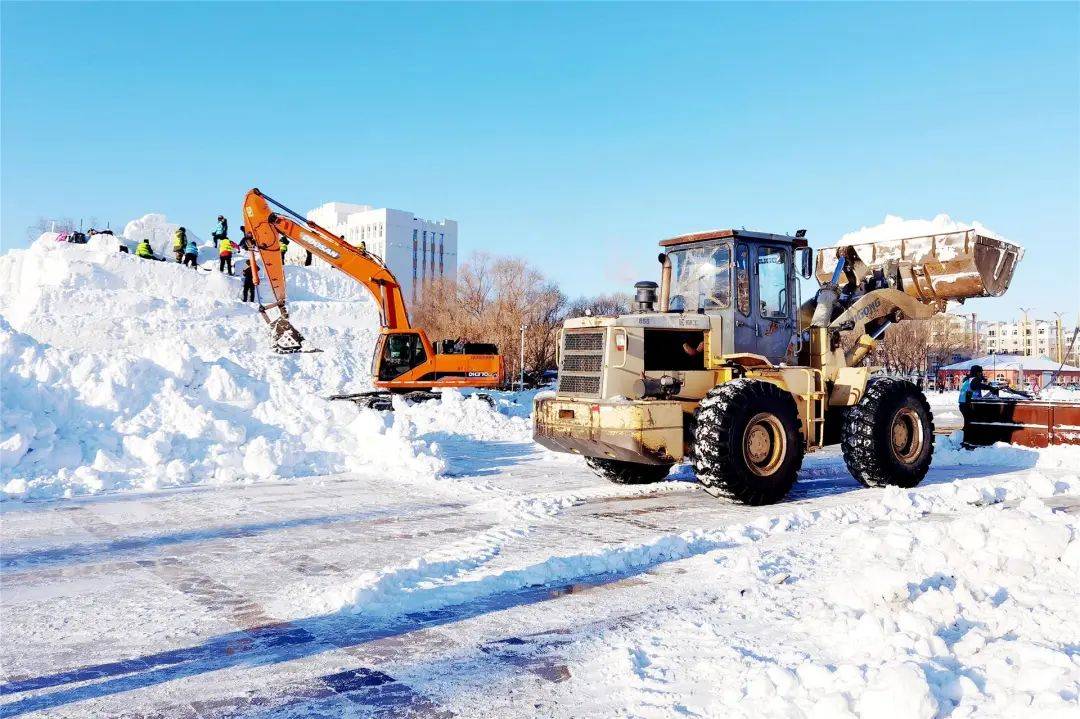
[(222, 230), (191, 255)]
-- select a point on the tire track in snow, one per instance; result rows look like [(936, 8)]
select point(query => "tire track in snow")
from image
[(519, 515), (434, 582)]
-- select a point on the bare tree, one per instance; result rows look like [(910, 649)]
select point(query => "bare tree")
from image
[(44, 224), (612, 305), (65, 224), (491, 300)]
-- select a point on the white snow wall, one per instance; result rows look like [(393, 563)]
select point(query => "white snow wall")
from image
[(120, 372)]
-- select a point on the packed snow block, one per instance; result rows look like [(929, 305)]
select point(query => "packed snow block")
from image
[(154, 227)]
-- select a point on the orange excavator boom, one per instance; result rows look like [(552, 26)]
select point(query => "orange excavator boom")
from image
[(405, 361), (267, 226)]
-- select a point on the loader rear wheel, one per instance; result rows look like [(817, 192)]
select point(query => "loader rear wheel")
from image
[(628, 472), (888, 437), (747, 441)]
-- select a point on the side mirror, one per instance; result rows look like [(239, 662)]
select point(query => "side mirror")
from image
[(805, 256)]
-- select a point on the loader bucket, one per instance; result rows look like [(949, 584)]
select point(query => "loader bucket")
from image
[(934, 268)]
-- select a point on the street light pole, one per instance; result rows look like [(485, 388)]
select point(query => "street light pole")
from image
[(1024, 346), (1059, 341), (1023, 330), (521, 366)]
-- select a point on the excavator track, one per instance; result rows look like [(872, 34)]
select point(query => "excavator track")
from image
[(381, 400)]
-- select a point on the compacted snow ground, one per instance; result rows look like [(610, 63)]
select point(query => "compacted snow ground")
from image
[(434, 562)]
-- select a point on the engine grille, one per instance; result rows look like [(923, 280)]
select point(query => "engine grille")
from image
[(582, 361), (584, 342), (578, 384)]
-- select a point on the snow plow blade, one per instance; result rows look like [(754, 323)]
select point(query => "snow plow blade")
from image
[(1030, 423), (952, 266)]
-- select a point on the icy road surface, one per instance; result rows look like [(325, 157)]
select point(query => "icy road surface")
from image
[(549, 592)]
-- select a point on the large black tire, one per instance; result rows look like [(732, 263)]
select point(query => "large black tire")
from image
[(748, 443), (888, 437), (628, 472)]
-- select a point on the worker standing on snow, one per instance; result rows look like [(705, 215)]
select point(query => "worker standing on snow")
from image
[(179, 242), (284, 241), (249, 284), (191, 255), (221, 231), (247, 242), (144, 250), (972, 388), (225, 248)]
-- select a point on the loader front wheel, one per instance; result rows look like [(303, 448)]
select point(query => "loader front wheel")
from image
[(888, 437), (747, 441), (621, 472)]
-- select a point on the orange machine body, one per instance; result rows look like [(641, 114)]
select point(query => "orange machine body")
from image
[(405, 359)]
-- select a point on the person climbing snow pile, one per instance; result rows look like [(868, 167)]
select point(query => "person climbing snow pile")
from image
[(191, 254), (225, 248), (179, 243), (144, 250), (248, 294), (221, 231)]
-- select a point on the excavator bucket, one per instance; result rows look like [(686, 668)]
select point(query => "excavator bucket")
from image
[(285, 339), (952, 266)]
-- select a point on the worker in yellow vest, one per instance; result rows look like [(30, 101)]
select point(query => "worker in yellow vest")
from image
[(179, 243), (225, 249), (144, 251), (284, 242)]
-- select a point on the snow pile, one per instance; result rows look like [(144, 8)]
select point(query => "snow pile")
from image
[(120, 372), (951, 600), (153, 227), (897, 228)]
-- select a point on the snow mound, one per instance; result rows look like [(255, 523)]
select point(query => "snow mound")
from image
[(121, 373), (153, 227), (896, 228)]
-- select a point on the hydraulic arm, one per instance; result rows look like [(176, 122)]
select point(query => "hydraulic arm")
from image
[(267, 227), (405, 360)]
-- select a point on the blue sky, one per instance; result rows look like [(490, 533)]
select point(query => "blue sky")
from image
[(575, 135)]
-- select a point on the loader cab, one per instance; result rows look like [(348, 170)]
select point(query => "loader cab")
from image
[(745, 278)]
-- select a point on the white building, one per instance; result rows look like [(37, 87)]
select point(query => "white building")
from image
[(1034, 338), (416, 250)]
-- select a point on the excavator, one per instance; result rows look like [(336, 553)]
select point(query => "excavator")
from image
[(405, 362)]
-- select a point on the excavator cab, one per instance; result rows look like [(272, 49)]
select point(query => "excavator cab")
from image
[(398, 353)]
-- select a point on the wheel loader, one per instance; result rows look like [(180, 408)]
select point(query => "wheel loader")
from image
[(721, 366)]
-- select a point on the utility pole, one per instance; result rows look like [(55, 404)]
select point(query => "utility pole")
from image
[(521, 385), (1024, 330), (974, 335), (1059, 341), (1024, 340)]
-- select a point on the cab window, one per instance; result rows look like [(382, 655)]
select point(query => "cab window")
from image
[(772, 281), (401, 353), (702, 278), (742, 280)]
